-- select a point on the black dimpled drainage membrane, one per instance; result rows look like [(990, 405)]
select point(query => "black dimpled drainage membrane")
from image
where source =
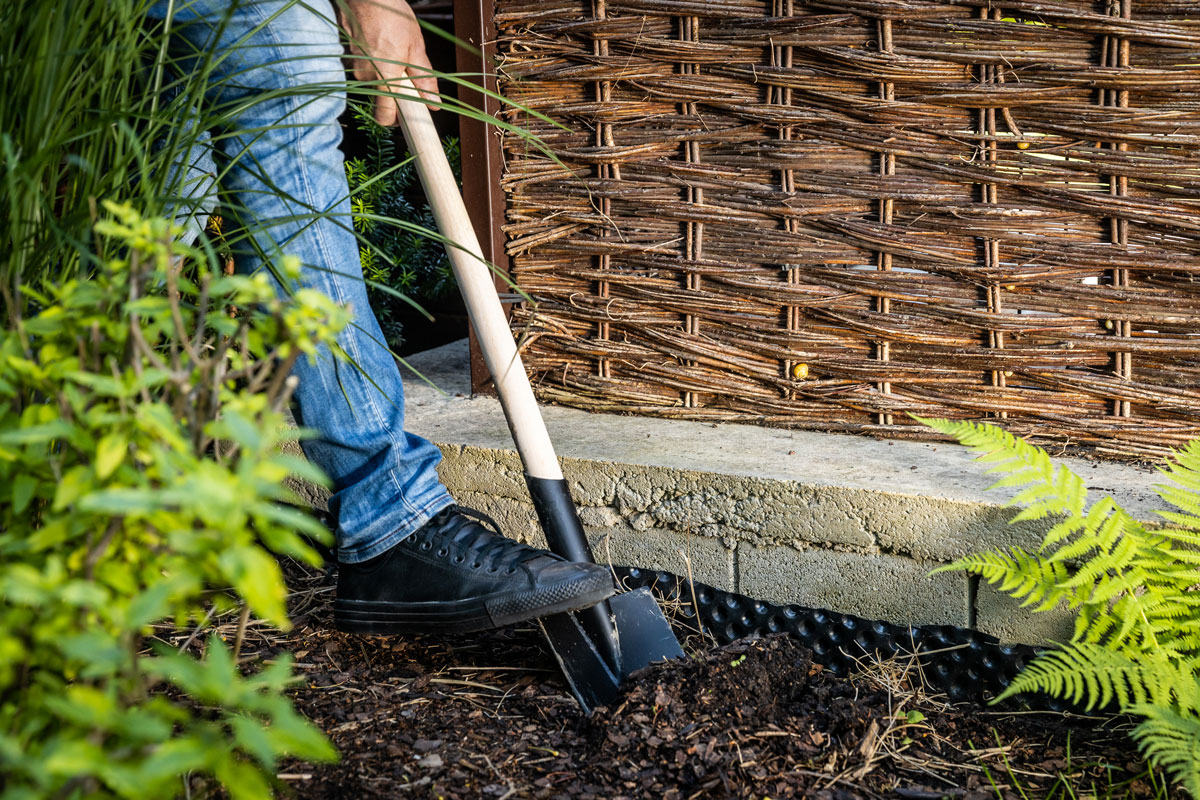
[(964, 664)]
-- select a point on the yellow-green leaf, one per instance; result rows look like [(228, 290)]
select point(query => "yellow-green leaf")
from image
[(72, 485), (110, 452), (257, 578), (36, 434), (242, 780), (22, 492)]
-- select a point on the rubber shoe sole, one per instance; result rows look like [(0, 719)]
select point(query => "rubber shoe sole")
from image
[(472, 614)]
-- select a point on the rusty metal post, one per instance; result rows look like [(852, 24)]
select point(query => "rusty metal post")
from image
[(482, 159)]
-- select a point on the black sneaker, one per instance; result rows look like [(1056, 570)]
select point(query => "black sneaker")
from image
[(454, 575)]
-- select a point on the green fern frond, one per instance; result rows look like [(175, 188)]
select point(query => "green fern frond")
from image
[(1050, 490), (1135, 593), (1036, 582), (1093, 676), (1062, 530), (1185, 571), (1135, 632), (1114, 536), (1184, 466), (1087, 618), (1033, 581), (1171, 741), (1183, 520), (1178, 636), (1184, 471), (1178, 609), (1182, 497), (1189, 539), (993, 444), (993, 566), (1107, 549), (1187, 692), (1063, 492), (1074, 552)]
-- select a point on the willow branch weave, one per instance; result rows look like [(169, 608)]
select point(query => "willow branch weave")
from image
[(829, 214)]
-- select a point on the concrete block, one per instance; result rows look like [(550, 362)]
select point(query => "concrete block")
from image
[(600, 517), (731, 507), (711, 561), (517, 520), (1001, 616), (936, 529), (484, 470), (590, 484), (884, 587), (307, 493), (820, 515)]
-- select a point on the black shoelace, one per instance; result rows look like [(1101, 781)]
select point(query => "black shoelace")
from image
[(457, 534)]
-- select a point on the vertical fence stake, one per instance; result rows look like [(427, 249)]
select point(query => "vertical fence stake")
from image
[(784, 57), (883, 260), (990, 74), (607, 171), (1115, 53), (689, 31), (481, 152)]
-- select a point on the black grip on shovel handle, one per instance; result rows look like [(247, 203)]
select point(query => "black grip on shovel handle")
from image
[(556, 512), (564, 533)]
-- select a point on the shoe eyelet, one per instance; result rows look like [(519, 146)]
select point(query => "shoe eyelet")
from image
[(459, 559), (426, 545), (442, 553), (511, 571), (476, 565), (492, 570)]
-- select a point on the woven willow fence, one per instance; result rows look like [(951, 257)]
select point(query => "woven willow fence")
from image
[(828, 214)]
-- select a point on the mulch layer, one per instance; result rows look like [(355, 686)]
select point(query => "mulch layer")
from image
[(488, 716)]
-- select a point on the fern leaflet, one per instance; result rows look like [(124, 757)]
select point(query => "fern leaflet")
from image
[(1171, 741)]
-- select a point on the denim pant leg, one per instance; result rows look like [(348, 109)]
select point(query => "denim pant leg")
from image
[(192, 181), (279, 69)]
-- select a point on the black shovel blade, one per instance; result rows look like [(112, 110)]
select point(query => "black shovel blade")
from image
[(588, 674), (643, 634), (643, 637)]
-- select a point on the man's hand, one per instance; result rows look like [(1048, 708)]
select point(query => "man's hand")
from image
[(382, 33)]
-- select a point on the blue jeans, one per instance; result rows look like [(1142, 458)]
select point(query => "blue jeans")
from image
[(277, 158)]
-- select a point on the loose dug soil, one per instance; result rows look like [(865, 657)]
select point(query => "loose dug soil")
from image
[(488, 716)]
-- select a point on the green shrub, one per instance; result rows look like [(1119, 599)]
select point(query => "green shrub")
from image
[(140, 412), (1134, 589), (398, 249)]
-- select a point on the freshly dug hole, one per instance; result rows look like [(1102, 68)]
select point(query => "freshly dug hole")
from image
[(755, 680)]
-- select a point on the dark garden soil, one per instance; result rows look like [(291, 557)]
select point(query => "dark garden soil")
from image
[(487, 716)]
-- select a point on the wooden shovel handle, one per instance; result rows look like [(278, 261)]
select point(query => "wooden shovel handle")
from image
[(476, 282)]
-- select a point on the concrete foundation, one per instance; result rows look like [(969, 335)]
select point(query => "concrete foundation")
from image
[(841, 522)]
